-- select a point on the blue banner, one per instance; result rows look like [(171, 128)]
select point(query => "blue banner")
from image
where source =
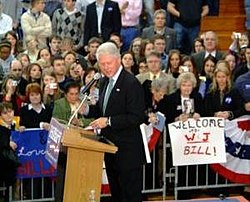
[(31, 150)]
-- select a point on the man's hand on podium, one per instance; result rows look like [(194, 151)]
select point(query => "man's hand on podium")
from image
[(100, 123)]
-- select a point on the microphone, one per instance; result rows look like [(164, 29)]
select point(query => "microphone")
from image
[(96, 77)]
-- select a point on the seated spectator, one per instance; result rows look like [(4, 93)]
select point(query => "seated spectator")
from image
[(232, 61), (35, 114), (10, 94), (240, 40), (160, 28), (117, 38), (223, 100), (8, 167)]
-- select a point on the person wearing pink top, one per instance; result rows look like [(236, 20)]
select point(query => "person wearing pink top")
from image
[(130, 14)]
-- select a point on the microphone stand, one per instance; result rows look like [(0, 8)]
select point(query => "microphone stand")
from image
[(85, 96)]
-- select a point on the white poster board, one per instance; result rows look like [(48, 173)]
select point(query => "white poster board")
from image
[(198, 141)]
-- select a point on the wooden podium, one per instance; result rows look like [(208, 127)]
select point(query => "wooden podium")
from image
[(84, 165)]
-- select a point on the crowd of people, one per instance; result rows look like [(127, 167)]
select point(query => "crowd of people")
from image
[(58, 47)]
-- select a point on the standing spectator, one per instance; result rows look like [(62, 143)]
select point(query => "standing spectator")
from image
[(51, 6), (102, 19), (32, 49), (187, 21), (160, 28), (13, 8), (5, 22), (130, 15), (68, 22), (210, 43), (198, 45), (36, 23), (81, 6), (149, 8)]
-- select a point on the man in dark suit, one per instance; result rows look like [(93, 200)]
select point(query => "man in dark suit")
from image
[(159, 27), (102, 19), (120, 114), (210, 43)]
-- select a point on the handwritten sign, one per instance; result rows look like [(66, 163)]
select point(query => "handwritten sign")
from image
[(198, 141), (54, 142), (31, 153)]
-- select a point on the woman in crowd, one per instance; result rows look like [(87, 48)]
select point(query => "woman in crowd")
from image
[(147, 47), (128, 63), (25, 60), (231, 59), (31, 48), (77, 71), (35, 114), (46, 56), (223, 100), (69, 59), (11, 36), (10, 95), (135, 48), (93, 92), (51, 90), (174, 60), (206, 75), (34, 73)]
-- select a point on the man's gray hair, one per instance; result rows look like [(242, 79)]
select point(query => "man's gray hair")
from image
[(108, 48)]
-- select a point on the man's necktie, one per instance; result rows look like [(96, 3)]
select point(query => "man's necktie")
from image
[(107, 94)]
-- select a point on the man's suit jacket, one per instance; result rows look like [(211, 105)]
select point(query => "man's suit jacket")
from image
[(171, 81), (170, 36), (111, 21), (199, 58), (126, 108)]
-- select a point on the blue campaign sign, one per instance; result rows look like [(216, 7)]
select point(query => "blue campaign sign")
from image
[(31, 152)]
